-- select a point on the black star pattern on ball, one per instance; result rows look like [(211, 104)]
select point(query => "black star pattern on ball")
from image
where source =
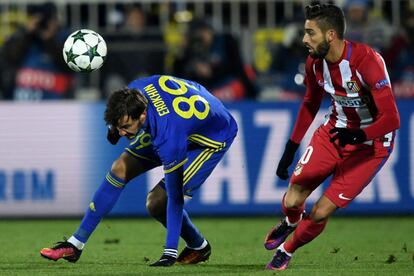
[(70, 56), (91, 53), (78, 36)]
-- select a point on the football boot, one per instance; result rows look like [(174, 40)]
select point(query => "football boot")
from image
[(62, 249), (193, 256)]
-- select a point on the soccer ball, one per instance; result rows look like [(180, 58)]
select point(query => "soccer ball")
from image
[(84, 51)]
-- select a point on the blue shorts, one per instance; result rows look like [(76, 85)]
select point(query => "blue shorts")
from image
[(202, 159)]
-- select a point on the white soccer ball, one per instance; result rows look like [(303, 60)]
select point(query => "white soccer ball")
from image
[(84, 51)]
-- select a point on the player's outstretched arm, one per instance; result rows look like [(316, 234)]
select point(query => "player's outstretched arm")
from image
[(306, 115), (175, 206)]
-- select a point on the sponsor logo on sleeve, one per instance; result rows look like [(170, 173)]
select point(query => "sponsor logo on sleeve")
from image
[(382, 83)]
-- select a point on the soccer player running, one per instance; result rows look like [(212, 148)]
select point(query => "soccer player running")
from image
[(174, 123), (351, 145)]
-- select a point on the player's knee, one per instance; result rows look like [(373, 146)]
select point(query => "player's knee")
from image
[(155, 206), (119, 168), (294, 201)]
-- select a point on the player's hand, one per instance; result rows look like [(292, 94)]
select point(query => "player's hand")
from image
[(113, 135), (348, 137), (287, 159)]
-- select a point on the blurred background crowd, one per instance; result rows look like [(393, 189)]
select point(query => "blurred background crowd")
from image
[(238, 49)]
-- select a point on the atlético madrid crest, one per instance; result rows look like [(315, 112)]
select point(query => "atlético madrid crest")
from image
[(353, 86)]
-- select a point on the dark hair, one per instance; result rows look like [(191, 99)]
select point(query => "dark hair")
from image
[(328, 16), (123, 102)]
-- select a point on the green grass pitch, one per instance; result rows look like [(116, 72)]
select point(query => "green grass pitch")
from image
[(348, 246)]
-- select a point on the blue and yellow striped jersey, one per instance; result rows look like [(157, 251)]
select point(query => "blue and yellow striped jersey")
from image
[(181, 112)]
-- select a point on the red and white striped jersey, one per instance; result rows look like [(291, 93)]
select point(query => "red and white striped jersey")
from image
[(360, 90)]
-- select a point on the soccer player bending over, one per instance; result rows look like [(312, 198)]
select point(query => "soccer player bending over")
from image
[(352, 144), (174, 123)]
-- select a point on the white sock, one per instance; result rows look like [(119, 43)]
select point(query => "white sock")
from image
[(171, 252), (204, 244), (77, 243), (294, 224), (282, 248)]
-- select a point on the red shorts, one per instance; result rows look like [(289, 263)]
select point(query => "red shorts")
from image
[(352, 167)]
